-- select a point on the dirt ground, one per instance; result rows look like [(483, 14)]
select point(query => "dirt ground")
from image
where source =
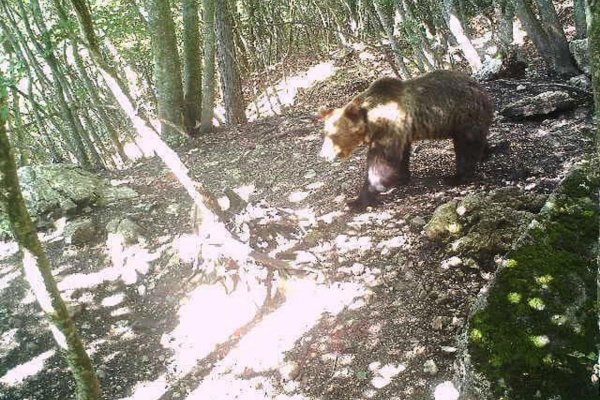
[(375, 316)]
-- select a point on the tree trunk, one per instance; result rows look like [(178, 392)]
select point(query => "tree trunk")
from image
[(75, 140), (558, 62), (505, 14), (389, 31), (37, 269), (231, 87), (553, 27), (459, 34), (593, 30), (167, 69), (192, 72), (208, 66), (579, 14)]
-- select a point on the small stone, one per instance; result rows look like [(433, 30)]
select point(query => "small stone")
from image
[(521, 87), (141, 289), (430, 367), (417, 222), (449, 349), (453, 261), (438, 323)]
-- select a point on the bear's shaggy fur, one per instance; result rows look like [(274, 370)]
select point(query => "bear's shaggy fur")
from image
[(392, 113)]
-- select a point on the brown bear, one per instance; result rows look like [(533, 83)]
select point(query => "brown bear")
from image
[(392, 113)]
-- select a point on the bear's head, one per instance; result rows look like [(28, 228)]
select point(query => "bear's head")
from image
[(345, 129)]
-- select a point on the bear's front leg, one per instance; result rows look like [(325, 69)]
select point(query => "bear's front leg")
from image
[(382, 175)]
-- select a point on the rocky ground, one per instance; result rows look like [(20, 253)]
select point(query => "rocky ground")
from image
[(376, 312)]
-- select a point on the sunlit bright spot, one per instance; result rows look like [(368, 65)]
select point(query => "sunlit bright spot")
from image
[(8, 342), (93, 347), (315, 185), (514, 297), (232, 388), (383, 375), (113, 300), (518, 33), (536, 303), (187, 247), (149, 390), (296, 197), (201, 328), (274, 99), (8, 278), (263, 348), (36, 281), (133, 151), (330, 217), (121, 330), (119, 312), (446, 391), (539, 340), (345, 243), (129, 261), (23, 371)]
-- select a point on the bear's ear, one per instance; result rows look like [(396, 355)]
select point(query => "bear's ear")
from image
[(324, 112), (354, 110)]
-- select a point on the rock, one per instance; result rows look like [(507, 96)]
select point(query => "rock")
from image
[(80, 232), (579, 50), (57, 190), (489, 70), (511, 66), (430, 367), (417, 222), (437, 324), (129, 230), (582, 82), (540, 105), (444, 222), (451, 262)]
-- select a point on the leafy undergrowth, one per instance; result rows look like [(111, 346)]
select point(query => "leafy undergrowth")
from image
[(377, 313), (537, 335)]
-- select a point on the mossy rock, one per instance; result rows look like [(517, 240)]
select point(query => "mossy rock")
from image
[(536, 333)]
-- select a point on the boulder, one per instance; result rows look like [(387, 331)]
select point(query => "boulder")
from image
[(540, 105), (57, 190), (81, 231)]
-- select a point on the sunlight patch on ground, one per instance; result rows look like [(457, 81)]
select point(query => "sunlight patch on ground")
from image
[(446, 391), (8, 341), (210, 317), (8, 278), (383, 375), (8, 249), (518, 33), (274, 99), (18, 374), (264, 348)]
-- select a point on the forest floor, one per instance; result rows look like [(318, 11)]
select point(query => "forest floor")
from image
[(377, 315)]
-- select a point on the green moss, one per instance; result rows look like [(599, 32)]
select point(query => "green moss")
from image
[(542, 308)]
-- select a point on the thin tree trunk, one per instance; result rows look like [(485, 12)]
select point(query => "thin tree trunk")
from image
[(208, 66), (559, 63), (459, 34), (504, 12), (579, 14), (389, 31), (233, 99), (192, 71), (37, 270), (167, 69)]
